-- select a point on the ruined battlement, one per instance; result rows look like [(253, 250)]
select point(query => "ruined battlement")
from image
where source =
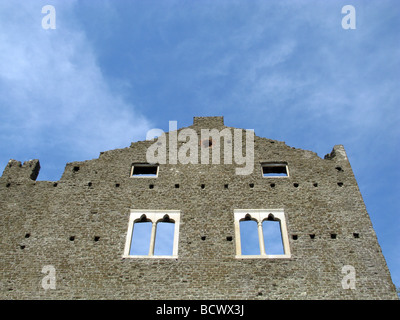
[(208, 122), (338, 153), (17, 172)]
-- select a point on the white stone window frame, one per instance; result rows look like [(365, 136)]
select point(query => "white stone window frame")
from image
[(154, 216), (144, 165), (260, 215), (274, 164)]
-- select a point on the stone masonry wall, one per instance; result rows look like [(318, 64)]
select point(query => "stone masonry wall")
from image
[(79, 225)]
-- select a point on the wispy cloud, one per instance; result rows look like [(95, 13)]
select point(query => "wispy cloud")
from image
[(53, 94)]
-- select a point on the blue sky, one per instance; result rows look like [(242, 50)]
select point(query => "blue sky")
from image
[(111, 70)]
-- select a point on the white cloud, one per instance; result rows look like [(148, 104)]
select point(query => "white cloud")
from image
[(52, 90)]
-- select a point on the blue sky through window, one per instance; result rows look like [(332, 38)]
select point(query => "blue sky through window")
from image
[(272, 237), (249, 238), (275, 174), (164, 238), (141, 234)]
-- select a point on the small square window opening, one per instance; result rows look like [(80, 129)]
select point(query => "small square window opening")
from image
[(274, 170), (144, 171)]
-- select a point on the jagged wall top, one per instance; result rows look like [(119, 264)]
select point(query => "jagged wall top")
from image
[(17, 171)]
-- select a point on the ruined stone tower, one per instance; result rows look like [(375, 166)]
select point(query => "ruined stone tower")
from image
[(72, 238)]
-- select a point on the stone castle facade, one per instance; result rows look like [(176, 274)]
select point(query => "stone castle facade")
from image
[(72, 238)]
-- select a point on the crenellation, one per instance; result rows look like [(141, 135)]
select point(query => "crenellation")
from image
[(16, 171), (338, 153)]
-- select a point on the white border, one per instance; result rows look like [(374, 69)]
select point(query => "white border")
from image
[(260, 215), (154, 216)]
